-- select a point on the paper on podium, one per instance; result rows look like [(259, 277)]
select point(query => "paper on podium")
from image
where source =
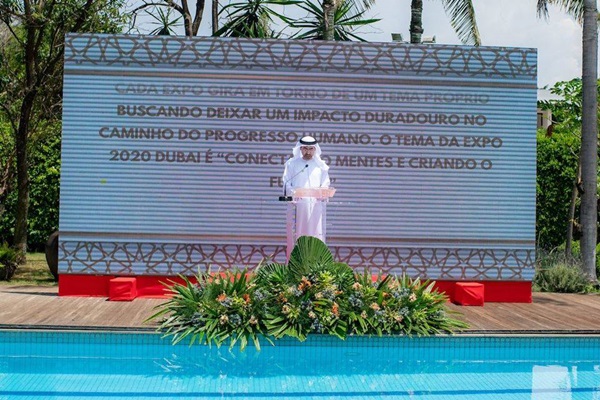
[(318, 193)]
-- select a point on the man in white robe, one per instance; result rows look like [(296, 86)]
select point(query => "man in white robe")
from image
[(307, 170)]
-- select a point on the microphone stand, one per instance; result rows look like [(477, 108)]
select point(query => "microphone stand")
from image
[(285, 197)]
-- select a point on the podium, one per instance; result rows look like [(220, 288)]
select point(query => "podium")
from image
[(307, 214)]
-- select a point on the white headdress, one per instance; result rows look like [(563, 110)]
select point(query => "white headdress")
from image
[(310, 141)]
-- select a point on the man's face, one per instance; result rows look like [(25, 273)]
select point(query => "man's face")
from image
[(307, 152)]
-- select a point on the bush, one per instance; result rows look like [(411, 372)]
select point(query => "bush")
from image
[(311, 294), (576, 253), (556, 172), (44, 191), (560, 274), (8, 262)]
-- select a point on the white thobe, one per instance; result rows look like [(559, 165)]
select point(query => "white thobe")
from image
[(300, 173)]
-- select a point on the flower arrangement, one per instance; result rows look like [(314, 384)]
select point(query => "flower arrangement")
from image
[(310, 294)]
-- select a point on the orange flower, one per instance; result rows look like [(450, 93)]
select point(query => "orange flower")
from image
[(335, 309), (222, 297), (282, 298), (304, 284), (246, 298)]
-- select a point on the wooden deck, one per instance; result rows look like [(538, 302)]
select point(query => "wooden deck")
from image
[(41, 307), (549, 313)]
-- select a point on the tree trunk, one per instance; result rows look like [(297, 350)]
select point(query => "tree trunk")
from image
[(215, 16), (329, 19), (574, 195), (188, 22), (20, 239), (197, 17), (589, 139), (416, 21)]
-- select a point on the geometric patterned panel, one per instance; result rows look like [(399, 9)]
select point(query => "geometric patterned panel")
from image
[(132, 258), (391, 59), (444, 263)]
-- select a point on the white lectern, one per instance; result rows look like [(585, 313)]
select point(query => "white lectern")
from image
[(307, 214)]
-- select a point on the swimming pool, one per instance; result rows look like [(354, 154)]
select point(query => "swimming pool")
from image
[(103, 365)]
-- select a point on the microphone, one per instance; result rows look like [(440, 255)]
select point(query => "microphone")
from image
[(285, 197)]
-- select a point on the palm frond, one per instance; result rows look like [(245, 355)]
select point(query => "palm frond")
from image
[(572, 7), (308, 253), (347, 19), (252, 18), (462, 19), (542, 9), (273, 274), (164, 21)]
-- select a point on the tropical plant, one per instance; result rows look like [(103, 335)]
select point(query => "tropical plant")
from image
[(398, 305), (164, 21), (347, 18), (214, 309), (566, 109), (559, 160), (557, 157), (310, 294), (251, 18), (191, 23), (44, 160), (462, 19), (9, 258), (586, 12)]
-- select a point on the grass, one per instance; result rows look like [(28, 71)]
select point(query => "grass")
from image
[(34, 272)]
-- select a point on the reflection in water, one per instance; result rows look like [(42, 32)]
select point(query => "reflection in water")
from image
[(552, 382)]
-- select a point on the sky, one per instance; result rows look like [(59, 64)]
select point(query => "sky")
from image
[(506, 23)]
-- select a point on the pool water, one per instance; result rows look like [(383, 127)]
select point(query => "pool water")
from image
[(92, 365)]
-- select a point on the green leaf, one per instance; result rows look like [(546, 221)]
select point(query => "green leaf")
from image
[(308, 253)]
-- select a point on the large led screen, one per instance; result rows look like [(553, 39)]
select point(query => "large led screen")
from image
[(173, 152)]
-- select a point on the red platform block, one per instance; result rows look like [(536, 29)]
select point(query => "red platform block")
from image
[(83, 285), (469, 293), (122, 289)]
